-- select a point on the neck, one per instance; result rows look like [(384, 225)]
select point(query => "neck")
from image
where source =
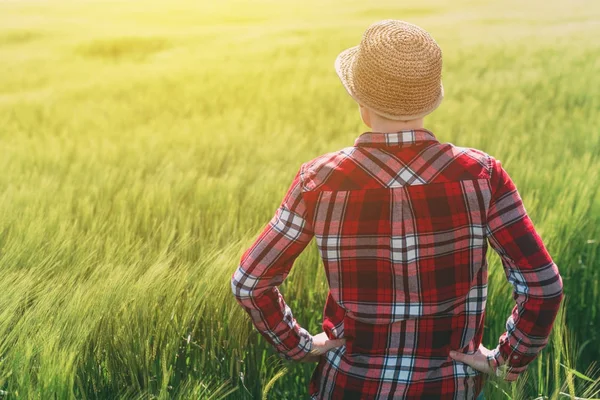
[(388, 126)]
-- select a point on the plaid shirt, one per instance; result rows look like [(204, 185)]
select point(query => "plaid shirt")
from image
[(402, 223)]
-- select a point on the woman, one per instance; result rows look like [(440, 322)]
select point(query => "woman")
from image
[(402, 223)]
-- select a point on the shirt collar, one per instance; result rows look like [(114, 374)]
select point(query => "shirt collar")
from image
[(405, 137)]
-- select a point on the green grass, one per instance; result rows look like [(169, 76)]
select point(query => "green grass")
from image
[(145, 144)]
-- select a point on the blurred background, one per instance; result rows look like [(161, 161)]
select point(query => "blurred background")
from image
[(144, 144)]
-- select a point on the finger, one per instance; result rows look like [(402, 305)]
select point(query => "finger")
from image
[(462, 357), (475, 361), (335, 343)]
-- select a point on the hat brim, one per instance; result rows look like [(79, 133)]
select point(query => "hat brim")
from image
[(344, 67), (344, 63)]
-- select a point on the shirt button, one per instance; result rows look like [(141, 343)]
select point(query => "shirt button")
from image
[(515, 357)]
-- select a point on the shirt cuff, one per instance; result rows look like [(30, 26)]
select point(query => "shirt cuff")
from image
[(495, 360), (499, 360), (304, 347)]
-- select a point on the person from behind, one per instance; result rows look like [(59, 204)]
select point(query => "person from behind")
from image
[(402, 222)]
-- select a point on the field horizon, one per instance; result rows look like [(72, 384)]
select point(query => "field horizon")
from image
[(146, 144)]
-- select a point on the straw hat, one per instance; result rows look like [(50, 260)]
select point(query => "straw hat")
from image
[(396, 70)]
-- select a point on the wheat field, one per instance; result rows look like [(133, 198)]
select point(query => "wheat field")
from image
[(144, 144)]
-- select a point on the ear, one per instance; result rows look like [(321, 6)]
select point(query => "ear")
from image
[(365, 115)]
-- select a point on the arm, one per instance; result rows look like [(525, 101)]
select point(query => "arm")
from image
[(537, 284), (265, 265)]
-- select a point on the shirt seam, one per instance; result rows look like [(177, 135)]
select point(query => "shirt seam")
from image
[(487, 175), (318, 190)]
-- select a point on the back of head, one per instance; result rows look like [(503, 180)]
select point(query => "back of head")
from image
[(395, 70)]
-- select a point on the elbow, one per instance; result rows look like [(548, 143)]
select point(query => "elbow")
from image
[(554, 294), (243, 286), (237, 289), (553, 286), (558, 286), (561, 292)]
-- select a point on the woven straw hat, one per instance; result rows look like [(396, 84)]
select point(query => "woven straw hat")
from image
[(396, 70)]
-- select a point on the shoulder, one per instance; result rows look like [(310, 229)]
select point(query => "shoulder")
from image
[(474, 154), (475, 160), (316, 172)]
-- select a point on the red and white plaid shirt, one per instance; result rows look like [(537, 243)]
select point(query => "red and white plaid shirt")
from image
[(402, 223)]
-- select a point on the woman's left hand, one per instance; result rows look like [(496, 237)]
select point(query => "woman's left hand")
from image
[(321, 345)]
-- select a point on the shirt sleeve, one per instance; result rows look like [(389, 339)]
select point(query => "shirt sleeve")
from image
[(266, 264), (537, 284)]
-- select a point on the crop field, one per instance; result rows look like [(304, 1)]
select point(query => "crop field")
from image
[(144, 145)]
